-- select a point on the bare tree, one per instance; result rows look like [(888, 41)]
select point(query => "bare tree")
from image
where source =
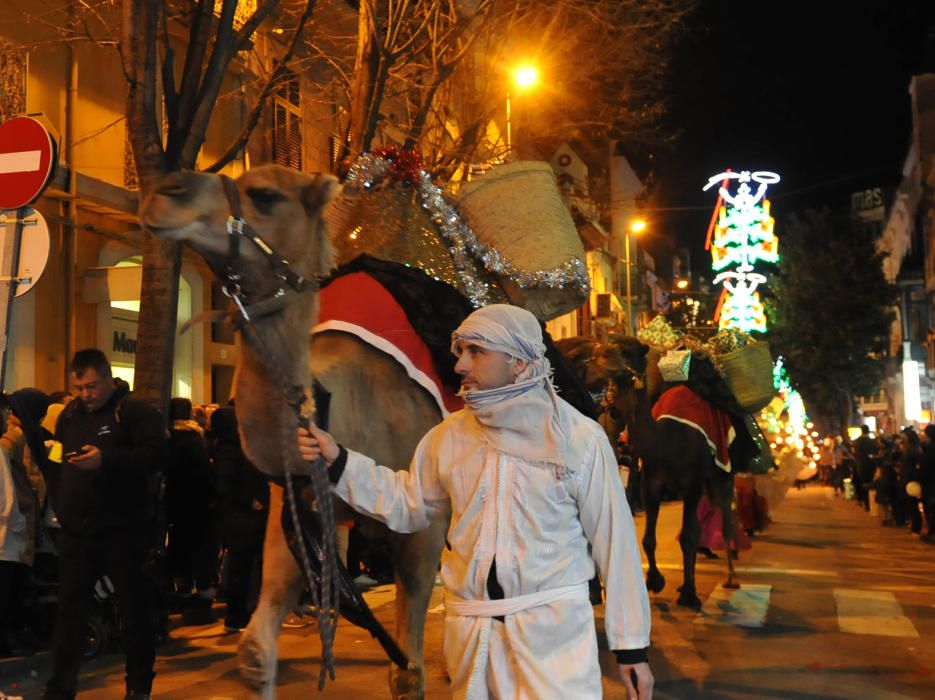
[(185, 102), (433, 74)]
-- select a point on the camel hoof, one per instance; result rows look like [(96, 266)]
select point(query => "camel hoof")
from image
[(655, 581), (730, 583), (408, 684), (257, 664), (689, 600)]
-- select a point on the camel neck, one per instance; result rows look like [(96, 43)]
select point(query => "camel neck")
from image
[(277, 347), (642, 436)]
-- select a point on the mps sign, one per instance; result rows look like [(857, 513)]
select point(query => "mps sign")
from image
[(27, 160)]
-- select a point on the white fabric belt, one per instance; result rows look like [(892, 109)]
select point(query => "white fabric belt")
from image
[(455, 605)]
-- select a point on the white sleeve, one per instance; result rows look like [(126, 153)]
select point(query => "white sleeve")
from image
[(608, 525), (403, 500)]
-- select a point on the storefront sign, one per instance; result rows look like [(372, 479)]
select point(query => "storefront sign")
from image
[(123, 347)]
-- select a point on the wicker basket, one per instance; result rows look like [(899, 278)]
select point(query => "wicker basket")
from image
[(517, 209), (749, 372)]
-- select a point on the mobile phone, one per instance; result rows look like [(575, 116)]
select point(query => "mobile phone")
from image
[(73, 453)]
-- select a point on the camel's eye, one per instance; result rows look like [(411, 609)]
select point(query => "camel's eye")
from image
[(264, 199)]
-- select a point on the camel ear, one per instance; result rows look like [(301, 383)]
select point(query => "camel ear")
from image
[(319, 192)]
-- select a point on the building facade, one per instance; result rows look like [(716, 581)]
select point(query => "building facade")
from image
[(88, 294)]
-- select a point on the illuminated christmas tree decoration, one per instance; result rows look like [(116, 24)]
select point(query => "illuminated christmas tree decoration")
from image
[(742, 236)]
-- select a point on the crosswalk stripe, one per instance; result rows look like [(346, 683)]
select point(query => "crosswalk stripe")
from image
[(740, 607), (872, 612)]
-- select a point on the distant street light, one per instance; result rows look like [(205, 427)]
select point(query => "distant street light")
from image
[(524, 77), (637, 226)]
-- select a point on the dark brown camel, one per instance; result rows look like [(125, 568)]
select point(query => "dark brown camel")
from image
[(674, 456)]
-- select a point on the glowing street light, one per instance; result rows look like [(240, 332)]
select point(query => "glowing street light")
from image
[(637, 226), (524, 77)]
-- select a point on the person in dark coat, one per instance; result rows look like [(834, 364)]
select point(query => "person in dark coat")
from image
[(865, 450), (243, 493), (189, 504), (910, 466), (111, 447), (927, 480)]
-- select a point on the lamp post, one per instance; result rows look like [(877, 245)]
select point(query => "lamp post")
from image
[(524, 77), (637, 226)]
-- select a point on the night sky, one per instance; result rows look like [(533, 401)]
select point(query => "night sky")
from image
[(816, 91)]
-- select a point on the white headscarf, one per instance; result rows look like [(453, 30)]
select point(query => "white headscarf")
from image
[(521, 419)]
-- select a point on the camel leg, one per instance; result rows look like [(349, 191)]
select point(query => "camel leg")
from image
[(725, 494), (282, 584), (417, 557), (689, 540), (655, 581)]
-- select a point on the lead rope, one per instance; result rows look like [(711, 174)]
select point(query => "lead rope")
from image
[(325, 593)]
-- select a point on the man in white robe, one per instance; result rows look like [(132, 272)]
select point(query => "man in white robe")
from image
[(535, 500)]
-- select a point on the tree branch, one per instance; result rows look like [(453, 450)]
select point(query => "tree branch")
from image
[(274, 79)]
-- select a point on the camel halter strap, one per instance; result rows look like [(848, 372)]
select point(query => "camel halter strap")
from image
[(237, 229), (325, 596)]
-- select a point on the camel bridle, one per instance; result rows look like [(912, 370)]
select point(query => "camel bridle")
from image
[(636, 379), (238, 229)]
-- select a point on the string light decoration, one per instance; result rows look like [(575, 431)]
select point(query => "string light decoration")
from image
[(792, 436), (742, 236)]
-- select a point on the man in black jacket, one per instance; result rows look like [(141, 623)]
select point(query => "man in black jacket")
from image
[(102, 491)]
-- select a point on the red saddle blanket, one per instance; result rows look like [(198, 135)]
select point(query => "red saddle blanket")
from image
[(685, 406), (356, 303)]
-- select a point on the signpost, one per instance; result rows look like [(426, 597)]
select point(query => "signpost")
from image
[(27, 159)]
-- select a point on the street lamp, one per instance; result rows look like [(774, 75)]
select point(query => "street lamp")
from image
[(524, 77), (637, 226)]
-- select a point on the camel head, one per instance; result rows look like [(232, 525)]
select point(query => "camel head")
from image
[(283, 206), (595, 363), (630, 383)]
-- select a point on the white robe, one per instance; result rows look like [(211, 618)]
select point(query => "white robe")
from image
[(538, 520)]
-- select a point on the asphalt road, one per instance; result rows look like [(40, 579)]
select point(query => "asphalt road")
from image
[(832, 605)]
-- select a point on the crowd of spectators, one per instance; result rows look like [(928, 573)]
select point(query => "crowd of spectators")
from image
[(890, 476)]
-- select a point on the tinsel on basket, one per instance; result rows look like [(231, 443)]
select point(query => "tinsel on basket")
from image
[(470, 258)]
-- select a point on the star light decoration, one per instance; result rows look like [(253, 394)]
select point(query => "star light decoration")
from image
[(743, 236), (395, 166)]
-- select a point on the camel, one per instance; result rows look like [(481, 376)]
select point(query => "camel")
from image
[(673, 455), (375, 408)]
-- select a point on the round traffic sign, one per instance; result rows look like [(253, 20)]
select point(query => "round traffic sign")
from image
[(27, 159), (33, 252), (34, 243)]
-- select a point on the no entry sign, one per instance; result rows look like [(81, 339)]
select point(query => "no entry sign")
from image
[(27, 158)]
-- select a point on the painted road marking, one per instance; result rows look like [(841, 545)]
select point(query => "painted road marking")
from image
[(19, 162), (872, 612), (739, 607), (380, 595), (713, 565)]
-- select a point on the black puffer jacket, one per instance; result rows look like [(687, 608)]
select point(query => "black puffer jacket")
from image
[(132, 439)]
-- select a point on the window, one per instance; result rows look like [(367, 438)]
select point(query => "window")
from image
[(287, 123)]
